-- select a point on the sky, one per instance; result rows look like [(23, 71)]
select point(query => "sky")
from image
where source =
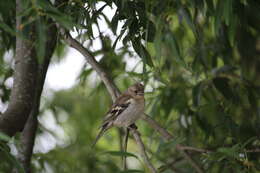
[(64, 74)]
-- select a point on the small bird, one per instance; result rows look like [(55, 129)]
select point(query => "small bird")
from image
[(127, 108)]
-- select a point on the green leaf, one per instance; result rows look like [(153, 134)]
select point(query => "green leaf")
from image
[(25, 12), (252, 98), (7, 28), (142, 52), (120, 153), (222, 85), (170, 39), (141, 11), (146, 56), (65, 20), (229, 152), (133, 28), (149, 34), (4, 137), (41, 39), (188, 18), (196, 93), (173, 43), (227, 11), (250, 140), (232, 28), (12, 159), (218, 16), (83, 75), (114, 22)]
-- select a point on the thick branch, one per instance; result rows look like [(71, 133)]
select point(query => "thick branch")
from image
[(25, 75), (29, 131)]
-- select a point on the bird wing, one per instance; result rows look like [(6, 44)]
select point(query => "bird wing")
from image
[(117, 108)]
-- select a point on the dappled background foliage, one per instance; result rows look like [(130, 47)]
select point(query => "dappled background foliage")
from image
[(199, 60)]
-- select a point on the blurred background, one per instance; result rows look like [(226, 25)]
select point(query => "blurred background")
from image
[(199, 61)]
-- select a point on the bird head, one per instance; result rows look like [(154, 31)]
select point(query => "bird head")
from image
[(136, 90)]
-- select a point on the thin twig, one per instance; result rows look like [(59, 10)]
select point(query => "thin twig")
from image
[(125, 148), (140, 143), (121, 140), (171, 165), (255, 150), (191, 161), (200, 150)]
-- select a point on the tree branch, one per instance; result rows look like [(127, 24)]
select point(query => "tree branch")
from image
[(29, 131), (200, 150), (157, 127), (191, 161), (140, 143), (111, 87), (125, 149), (255, 150), (170, 165), (25, 75)]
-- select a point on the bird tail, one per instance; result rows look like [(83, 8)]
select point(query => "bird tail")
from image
[(101, 132)]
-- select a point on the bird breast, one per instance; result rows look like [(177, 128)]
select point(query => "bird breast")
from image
[(133, 112)]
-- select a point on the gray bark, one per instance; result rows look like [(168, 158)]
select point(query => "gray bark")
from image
[(25, 75), (29, 131)]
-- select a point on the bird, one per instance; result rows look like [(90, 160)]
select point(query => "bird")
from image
[(128, 108)]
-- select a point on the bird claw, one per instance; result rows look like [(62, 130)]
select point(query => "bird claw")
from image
[(132, 126)]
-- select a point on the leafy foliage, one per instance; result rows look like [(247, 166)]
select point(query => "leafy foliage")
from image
[(200, 59)]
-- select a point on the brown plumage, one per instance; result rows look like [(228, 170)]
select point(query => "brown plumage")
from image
[(125, 111)]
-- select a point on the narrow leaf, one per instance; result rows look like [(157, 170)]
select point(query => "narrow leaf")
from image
[(14, 161), (41, 40), (142, 52), (196, 93), (7, 28), (4, 137), (222, 85)]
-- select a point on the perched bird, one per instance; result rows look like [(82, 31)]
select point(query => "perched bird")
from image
[(128, 107)]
